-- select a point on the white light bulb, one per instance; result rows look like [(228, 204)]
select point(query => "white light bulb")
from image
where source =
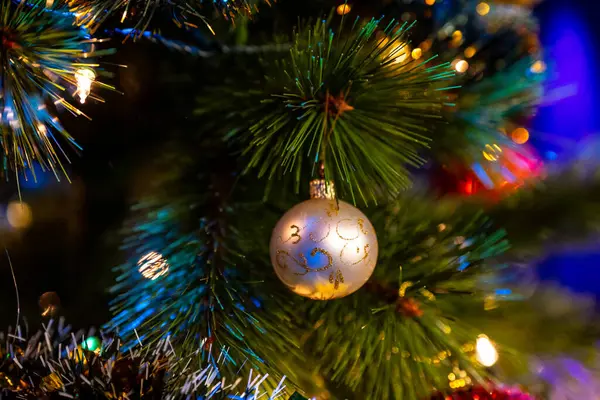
[(487, 355), (84, 78)]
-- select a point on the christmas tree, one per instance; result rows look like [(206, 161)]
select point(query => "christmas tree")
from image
[(329, 199)]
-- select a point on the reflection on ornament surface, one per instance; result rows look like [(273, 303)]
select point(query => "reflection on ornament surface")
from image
[(324, 252), (487, 355), (153, 265)]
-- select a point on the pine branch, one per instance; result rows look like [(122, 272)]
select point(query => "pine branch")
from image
[(403, 333), (340, 99), (212, 288)]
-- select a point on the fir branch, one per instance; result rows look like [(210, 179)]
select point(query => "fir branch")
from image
[(403, 333), (342, 100), (213, 289)]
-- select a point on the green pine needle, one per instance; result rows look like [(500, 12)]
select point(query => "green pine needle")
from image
[(340, 99)]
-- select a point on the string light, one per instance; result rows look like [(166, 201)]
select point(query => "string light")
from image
[(483, 8), (153, 265), (417, 53), (487, 355), (520, 135), (84, 78), (344, 9)]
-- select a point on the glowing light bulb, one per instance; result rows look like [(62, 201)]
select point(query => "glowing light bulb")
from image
[(482, 8), (487, 355), (520, 135), (417, 53), (84, 78), (344, 9), (461, 66), (153, 265)]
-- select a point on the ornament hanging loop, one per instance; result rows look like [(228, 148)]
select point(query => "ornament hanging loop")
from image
[(322, 188)]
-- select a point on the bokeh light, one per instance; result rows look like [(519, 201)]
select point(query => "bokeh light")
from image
[(520, 135), (470, 51), (487, 355), (430, 2), (344, 9), (492, 152), (483, 8), (19, 214), (417, 53), (538, 67), (401, 52), (92, 344), (153, 265), (50, 304), (461, 66)]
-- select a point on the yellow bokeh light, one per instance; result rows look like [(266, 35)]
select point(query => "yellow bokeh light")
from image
[(487, 355), (344, 9), (417, 53), (426, 45), (520, 135), (457, 37), (430, 2), (401, 52), (470, 51), (461, 66), (538, 67), (492, 152), (19, 214), (483, 8)]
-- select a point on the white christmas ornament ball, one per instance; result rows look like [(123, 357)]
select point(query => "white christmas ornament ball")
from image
[(324, 249)]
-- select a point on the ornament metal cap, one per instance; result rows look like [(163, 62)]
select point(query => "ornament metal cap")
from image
[(322, 189)]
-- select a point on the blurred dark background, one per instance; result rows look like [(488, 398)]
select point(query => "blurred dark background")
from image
[(73, 242)]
